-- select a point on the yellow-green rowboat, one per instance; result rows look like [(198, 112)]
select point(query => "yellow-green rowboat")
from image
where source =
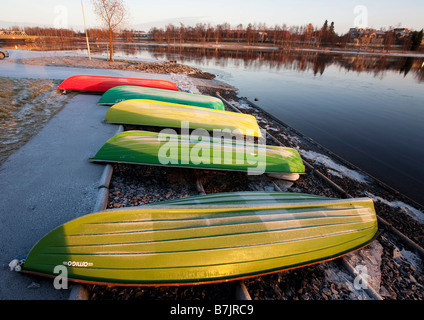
[(172, 115), (169, 244), (122, 93)]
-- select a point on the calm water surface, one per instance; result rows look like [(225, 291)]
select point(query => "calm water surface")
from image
[(367, 109), (375, 123)]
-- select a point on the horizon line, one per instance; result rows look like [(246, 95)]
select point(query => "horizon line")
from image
[(134, 27)]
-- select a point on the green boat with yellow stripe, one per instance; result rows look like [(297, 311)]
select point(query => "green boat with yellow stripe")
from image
[(167, 148), (204, 239), (122, 93)]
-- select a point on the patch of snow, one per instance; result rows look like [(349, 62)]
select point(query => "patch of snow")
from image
[(240, 105), (267, 127), (412, 258), (407, 256), (367, 262), (369, 259), (8, 68), (335, 173), (184, 83), (295, 141), (334, 274), (414, 213), (334, 168)]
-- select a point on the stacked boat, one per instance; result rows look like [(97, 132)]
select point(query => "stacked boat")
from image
[(203, 239)]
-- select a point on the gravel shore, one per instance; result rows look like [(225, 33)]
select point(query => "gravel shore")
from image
[(160, 67)]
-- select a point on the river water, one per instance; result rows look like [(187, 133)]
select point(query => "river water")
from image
[(368, 109)]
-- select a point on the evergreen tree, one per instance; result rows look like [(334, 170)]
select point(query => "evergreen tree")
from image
[(324, 32), (332, 28), (331, 33), (416, 39)]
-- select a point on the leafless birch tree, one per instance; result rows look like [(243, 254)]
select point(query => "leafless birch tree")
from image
[(112, 13)]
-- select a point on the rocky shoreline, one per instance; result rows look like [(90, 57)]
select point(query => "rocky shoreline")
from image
[(398, 271)]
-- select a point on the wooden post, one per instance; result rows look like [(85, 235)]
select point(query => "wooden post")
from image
[(85, 30)]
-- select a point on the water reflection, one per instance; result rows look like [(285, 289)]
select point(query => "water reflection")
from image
[(255, 59), (278, 60)]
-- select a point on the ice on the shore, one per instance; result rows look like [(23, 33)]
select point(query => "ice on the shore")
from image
[(368, 261), (414, 213), (343, 279), (412, 258), (334, 168), (8, 68), (184, 83), (334, 275), (369, 258), (240, 104), (407, 256)]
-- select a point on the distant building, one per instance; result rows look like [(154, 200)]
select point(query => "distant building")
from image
[(4, 32), (353, 34), (262, 36), (140, 35), (370, 36), (401, 34), (403, 31)]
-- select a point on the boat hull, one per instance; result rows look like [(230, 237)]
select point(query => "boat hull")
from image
[(122, 93), (91, 83), (244, 198), (172, 244), (172, 115), (174, 150)]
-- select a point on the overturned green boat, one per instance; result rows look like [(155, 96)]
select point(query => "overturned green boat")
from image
[(122, 93), (167, 148), (191, 243), (173, 115)]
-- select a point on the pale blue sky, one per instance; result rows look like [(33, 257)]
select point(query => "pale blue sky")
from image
[(145, 14)]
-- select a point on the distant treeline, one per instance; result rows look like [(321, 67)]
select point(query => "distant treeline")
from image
[(49, 32), (252, 34), (282, 36), (61, 32)]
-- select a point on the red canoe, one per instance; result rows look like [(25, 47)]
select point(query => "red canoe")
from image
[(82, 82)]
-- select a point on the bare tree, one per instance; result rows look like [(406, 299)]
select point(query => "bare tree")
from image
[(112, 14), (170, 33)]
